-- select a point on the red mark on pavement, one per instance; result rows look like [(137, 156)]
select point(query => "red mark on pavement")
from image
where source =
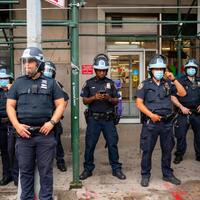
[(176, 193), (89, 194)]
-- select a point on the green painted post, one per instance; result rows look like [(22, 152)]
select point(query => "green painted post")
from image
[(11, 45), (75, 93), (179, 39)]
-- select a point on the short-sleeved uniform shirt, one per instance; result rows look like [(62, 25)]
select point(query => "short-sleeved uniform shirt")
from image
[(35, 98), (192, 98), (92, 86), (157, 98), (66, 96)]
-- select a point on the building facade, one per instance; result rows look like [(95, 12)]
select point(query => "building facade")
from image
[(148, 27)]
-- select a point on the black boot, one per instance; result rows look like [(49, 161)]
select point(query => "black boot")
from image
[(5, 180), (62, 167), (85, 174), (144, 182), (172, 180), (178, 159), (119, 174)]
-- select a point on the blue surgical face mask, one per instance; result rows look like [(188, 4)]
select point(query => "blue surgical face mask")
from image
[(48, 74), (4, 82), (191, 71), (158, 74)]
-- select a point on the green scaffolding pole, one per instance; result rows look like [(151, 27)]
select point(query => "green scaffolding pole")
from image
[(11, 44), (9, 2), (74, 14), (179, 39)]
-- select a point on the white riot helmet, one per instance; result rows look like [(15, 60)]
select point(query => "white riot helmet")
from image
[(158, 61), (101, 62)]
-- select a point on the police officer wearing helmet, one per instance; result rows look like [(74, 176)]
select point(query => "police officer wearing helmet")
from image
[(35, 104), (5, 82), (154, 101), (50, 71), (101, 96), (189, 111)]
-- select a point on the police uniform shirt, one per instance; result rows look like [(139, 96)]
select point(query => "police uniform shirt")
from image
[(35, 98), (192, 98), (94, 85), (3, 98), (66, 96), (157, 98)]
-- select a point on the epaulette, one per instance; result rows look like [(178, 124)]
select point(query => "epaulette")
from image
[(22, 76)]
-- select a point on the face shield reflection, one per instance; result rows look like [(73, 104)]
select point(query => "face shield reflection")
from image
[(48, 71)]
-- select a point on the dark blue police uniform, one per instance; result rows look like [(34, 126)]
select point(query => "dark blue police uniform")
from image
[(4, 125), (12, 155), (58, 130), (190, 101), (157, 98), (99, 120), (35, 106)]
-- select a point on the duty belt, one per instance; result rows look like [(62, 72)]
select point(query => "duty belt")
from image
[(164, 118), (104, 115), (34, 130)]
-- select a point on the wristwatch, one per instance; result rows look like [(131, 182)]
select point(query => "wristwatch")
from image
[(52, 122)]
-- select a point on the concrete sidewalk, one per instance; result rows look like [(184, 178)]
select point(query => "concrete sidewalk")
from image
[(103, 186)]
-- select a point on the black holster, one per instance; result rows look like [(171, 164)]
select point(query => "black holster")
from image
[(86, 114)]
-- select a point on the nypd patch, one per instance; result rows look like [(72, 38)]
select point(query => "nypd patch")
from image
[(140, 86)]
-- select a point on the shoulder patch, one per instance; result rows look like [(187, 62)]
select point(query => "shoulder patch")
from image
[(140, 86), (58, 84), (84, 85)]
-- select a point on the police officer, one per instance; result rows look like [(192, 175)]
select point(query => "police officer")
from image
[(189, 111), (5, 81), (154, 101), (50, 71), (100, 94), (35, 104)]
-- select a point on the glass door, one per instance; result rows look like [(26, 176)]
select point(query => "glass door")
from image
[(128, 68)]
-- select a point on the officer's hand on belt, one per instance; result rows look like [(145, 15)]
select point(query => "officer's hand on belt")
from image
[(198, 109), (155, 117), (46, 128), (169, 75), (22, 130), (185, 110)]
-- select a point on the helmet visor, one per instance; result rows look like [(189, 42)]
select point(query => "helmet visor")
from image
[(25, 66)]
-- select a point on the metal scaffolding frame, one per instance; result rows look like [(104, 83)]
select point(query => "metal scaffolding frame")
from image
[(73, 23)]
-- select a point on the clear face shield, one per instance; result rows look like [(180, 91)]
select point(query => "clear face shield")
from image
[(49, 71), (29, 66)]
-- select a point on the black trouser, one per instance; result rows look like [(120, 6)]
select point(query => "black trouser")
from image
[(58, 129), (40, 149), (181, 128), (94, 128), (4, 150), (11, 152)]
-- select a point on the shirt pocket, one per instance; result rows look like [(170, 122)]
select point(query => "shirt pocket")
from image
[(23, 96), (151, 95), (44, 96)]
